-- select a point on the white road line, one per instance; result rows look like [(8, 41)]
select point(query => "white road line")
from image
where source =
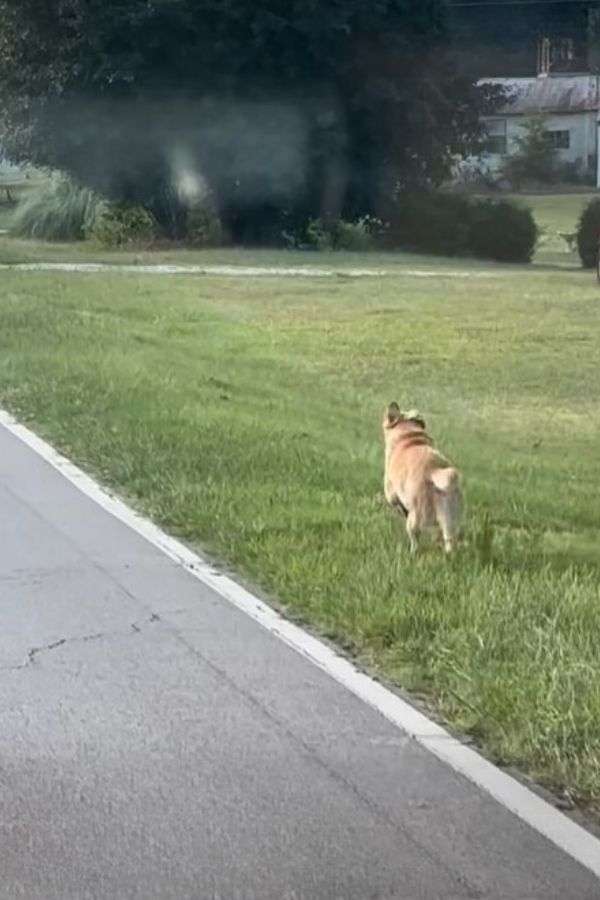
[(571, 838), (244, 271)]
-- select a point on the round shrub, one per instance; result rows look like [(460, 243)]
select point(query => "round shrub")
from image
[(457, 225), (502, 231), (435, 223), (588, 232), (57, 209), (116, 224)]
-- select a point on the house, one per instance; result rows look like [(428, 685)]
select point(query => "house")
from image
[(571, 107), (546, 54)]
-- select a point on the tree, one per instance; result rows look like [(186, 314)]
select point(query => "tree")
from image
[(534, 158), (282, 108)]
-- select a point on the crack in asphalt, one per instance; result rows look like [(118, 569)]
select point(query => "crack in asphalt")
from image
[(34, 652)]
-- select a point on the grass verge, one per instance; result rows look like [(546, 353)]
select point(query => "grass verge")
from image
[(243, 415)]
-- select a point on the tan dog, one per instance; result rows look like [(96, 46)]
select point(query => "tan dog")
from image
[(418, 479)]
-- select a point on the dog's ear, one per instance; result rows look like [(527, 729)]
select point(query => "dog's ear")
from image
[(392, 414), (413, 415)]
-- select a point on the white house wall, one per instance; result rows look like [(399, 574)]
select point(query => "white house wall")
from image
[(583, 138), (7, 168)]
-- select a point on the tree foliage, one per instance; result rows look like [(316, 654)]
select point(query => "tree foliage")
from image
[(534, 158), (282, 108)]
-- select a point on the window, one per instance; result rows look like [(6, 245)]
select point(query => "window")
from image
[(559, 140), (496, 137)]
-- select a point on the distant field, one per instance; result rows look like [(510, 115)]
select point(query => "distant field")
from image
[(243, 414)]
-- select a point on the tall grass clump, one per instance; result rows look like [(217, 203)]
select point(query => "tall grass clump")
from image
[(58, 209)]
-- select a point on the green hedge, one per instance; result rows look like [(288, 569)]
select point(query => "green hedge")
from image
[(447, 224)]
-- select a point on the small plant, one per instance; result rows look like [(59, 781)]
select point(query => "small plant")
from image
[(318, 236), (57, 209), (353, 236), (117, 224), (357, 236), (204, 227), (588, 233)]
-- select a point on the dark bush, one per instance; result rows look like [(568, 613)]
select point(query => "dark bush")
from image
[(432, 223), (458, 225), (203, 228), (588, 231), (501, 230)]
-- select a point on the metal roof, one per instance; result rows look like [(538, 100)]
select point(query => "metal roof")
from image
[(550, 94)]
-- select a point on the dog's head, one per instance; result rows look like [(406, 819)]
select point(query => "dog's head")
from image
[(394, 416)]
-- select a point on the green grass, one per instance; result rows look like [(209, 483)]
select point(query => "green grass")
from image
[(557, 212), (14, 251), (244, 415)]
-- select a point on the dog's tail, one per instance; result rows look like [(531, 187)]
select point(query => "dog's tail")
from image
[(448, 503), (444, 480)]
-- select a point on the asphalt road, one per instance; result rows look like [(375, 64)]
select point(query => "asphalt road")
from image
[(155, 743)]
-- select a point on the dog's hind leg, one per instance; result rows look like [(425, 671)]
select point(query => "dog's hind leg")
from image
[(413, 530), (399, 505), (393, 499), (449, 511), (448, 535)]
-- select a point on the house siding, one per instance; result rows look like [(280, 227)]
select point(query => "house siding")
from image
[(582, 128)]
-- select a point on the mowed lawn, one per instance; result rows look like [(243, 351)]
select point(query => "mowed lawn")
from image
[(244, 415)]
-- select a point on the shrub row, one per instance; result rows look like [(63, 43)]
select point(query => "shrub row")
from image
[(438, 223)]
